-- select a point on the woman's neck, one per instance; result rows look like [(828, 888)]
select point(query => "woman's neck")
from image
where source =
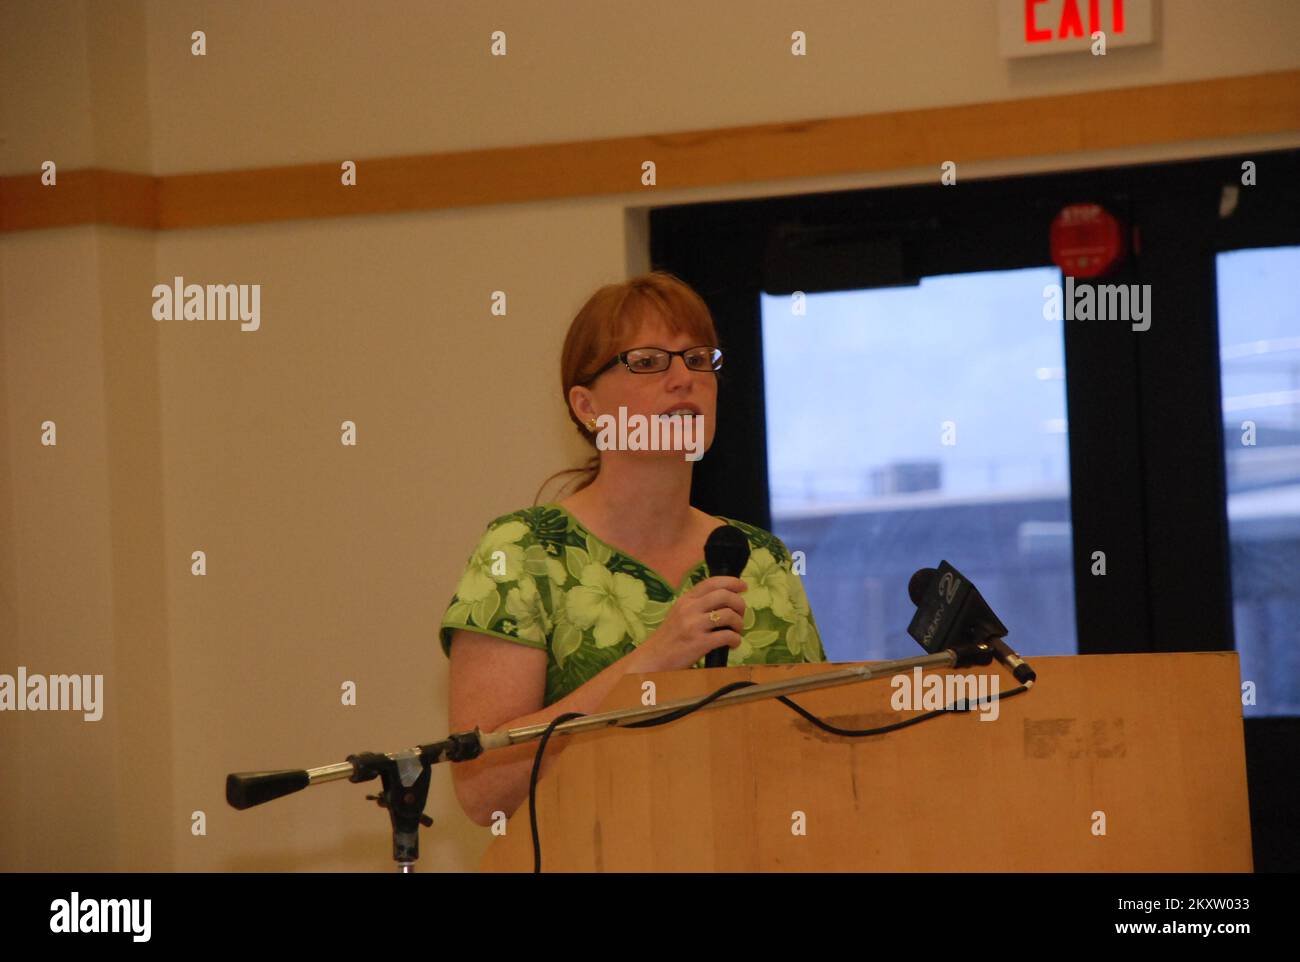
[(643, 505)]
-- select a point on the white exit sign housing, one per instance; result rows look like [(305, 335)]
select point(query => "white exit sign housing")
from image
[(1033, 28)]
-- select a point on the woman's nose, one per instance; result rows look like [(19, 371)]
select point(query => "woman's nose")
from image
[(678, 372)]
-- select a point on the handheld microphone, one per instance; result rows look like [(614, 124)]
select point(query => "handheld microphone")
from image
[(950, 613), (725, 553)]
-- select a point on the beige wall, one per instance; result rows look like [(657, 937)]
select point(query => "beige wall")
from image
[(328, 563)]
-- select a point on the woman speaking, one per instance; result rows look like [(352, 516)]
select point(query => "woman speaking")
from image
[(560, 600)]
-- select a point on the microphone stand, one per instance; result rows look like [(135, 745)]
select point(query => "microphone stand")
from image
[(405, 774)]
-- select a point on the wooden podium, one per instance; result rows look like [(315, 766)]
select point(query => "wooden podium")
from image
[(1125, 763)]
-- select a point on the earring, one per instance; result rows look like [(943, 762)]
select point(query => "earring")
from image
[(591, 423)]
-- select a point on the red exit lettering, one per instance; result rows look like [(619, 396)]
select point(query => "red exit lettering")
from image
[(1071, 24)]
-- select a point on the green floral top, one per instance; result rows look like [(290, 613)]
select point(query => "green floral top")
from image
[(539, 578)]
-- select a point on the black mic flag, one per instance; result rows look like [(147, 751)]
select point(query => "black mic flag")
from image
[(951, 613)]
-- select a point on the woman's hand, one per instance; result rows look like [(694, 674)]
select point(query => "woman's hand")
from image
[(687, 634)]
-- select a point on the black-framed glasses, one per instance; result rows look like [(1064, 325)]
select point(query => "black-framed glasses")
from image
[(652, 360)]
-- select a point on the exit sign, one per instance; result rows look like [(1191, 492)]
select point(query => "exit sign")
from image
[(1031, 28)]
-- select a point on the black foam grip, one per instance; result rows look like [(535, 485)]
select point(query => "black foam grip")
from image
[(246, 789), (726, 552)]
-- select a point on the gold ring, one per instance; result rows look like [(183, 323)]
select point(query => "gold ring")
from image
[(714, 616)]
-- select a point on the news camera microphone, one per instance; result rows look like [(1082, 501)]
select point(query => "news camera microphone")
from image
[(725, 553), (951, 613)]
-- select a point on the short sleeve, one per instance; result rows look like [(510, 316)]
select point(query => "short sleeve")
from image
[(504, 590)]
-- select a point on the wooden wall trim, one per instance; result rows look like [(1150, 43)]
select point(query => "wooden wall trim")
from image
[(1033, 127), (90, 196)]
